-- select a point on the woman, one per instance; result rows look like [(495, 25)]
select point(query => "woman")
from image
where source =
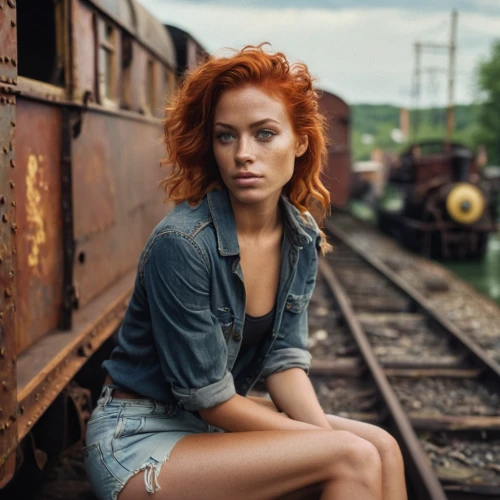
[(220, 301)]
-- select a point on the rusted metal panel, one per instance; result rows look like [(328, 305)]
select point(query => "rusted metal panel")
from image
[(84, 51), (39, 255), (8, 219), (8, 46), (46, 367), (116, 197), (337, 174)]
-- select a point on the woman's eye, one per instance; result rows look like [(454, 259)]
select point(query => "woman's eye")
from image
[(224, 136), (265, 134)]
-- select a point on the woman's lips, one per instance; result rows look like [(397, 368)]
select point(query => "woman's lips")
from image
[(247, 181)]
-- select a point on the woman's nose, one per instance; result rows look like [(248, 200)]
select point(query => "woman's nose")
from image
[(245, 153)]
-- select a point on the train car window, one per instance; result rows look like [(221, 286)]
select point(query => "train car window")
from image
[(150, 86), (107, 61), (40, 41), (169, 83), (126, 73)]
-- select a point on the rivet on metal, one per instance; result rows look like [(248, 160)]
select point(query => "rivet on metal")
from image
[(13, 123), (29, 423), (1, 59), (5, 218), (8, 292), (12, 163), (2, 100), (22, 409), (12, 184), (13, 203), (13, 24), (11, 275), (4, 385), (14, 228), (2, 354), (1, 315), (6, 59), (4, 79), (2, 199), (37, 396)]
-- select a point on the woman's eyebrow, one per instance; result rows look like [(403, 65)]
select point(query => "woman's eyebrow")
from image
[(252, 125)]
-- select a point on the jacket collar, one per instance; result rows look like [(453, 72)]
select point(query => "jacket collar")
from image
[(225, 227)]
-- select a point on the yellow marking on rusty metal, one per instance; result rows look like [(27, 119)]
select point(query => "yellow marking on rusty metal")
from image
[(34, 211)]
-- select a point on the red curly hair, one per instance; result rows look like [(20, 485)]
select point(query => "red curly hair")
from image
[(189, 122)]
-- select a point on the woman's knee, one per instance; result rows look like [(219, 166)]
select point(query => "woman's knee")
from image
[(387, 447), (361, 461)]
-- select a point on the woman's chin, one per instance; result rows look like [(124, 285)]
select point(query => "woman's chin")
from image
[(249, 196)]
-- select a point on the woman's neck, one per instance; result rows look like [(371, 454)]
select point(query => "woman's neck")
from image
[(256, 221)]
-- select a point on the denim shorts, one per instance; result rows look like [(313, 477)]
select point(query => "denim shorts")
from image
[(125, 436)]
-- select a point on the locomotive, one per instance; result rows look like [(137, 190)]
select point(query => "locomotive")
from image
[(436, 201)]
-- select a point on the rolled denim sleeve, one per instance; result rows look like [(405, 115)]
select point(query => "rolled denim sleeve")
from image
[(190, 343), (290, 349)]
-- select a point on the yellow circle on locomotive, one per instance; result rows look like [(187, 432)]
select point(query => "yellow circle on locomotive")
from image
[(465, 203)]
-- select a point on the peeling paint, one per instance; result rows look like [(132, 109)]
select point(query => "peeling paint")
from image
[(34, 211)]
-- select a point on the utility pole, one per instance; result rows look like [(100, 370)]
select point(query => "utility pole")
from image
[(416, 90), (450, 118), (431, 46)]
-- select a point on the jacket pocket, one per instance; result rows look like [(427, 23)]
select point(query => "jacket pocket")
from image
[(226, 320), (297, 303)]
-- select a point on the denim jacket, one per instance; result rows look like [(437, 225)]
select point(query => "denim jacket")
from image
[(183, 327)]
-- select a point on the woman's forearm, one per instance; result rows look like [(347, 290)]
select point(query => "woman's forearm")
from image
[(240, 414), (292, 392)]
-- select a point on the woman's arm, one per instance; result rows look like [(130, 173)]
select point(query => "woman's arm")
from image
[(292, 392), (240, 414)]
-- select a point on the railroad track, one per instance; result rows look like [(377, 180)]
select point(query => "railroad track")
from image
[(382, 353)]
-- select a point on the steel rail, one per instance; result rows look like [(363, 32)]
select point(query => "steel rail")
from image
[(474, 349), (425, 484)]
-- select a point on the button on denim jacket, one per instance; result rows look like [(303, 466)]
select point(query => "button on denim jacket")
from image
[(183, 327)]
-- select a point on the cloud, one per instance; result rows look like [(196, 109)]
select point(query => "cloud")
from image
[(364, 55), (482, 6)]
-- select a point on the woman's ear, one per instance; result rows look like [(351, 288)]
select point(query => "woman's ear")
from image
[(302, 145)]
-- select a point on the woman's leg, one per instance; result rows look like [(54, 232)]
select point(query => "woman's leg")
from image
[(265, 465), (393, 477), (393, 480)]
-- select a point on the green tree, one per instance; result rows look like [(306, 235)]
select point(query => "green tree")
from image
[(489, 111)]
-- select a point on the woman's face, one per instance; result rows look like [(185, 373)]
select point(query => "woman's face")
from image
[(254, 144)]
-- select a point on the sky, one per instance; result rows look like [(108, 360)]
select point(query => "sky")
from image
[(362, 50)]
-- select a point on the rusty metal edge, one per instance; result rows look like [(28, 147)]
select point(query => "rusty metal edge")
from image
[(409, 442), (123, 113), (68, 291), (478, 353), (38, 394)]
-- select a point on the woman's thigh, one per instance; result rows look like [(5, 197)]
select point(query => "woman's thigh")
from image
[(245, 465)]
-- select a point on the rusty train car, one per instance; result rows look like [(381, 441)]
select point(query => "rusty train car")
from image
[(337, 176), (437, 203), (83, 84), (82, 87)]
